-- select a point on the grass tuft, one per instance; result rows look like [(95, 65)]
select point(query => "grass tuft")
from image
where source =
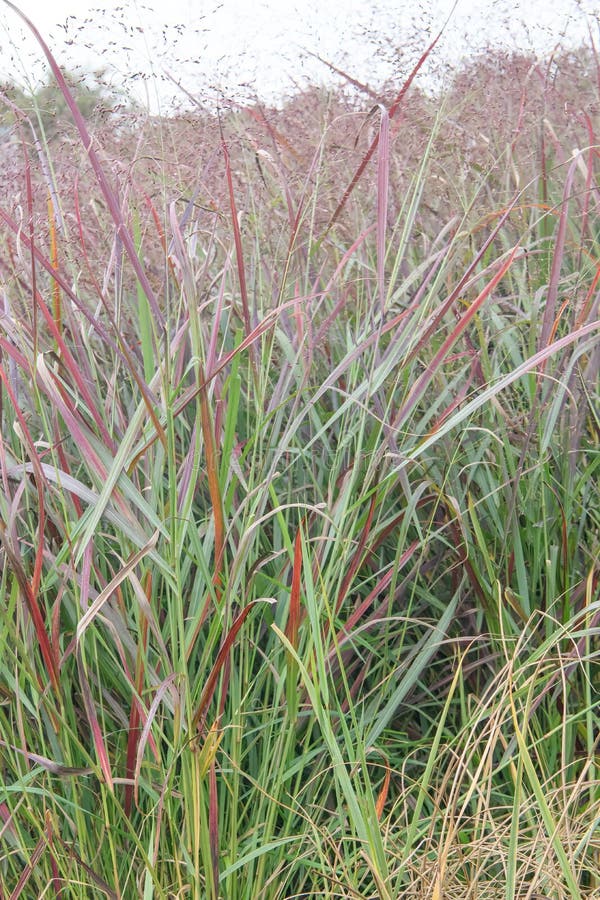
[(298, 496)]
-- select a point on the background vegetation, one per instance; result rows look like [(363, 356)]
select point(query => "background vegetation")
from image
[(299, 510)]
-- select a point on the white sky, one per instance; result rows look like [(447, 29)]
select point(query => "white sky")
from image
[(207, 44)]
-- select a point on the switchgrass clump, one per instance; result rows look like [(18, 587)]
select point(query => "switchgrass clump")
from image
[(299, 509)]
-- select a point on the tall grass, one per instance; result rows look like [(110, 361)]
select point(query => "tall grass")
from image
[(299, 519)]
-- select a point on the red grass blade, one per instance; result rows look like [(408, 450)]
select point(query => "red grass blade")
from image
[(293, 622), (383, 793), (422, 382), (6, 818), (211, 682), (358, 555), (134, 732), (393, 110), (291, 631), (99, 882), (212, 474), (381, 586), (162, 689), (33, 861), (237, 239), (56, 299), (95, 607), (464, 281), (383, 178), (29, 589), (88, 702), (557, 258), (361, 86)]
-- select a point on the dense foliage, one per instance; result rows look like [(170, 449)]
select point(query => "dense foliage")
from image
[(298, 495)]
